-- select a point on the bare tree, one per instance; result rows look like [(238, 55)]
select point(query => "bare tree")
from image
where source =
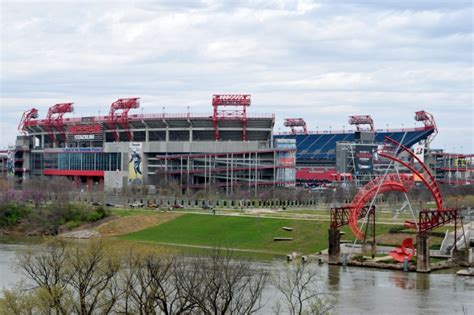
[(156, 283), (90, 276), (227, 285), (48, 272), (73, 278), (302, 291), (93, 278), (139, 291)]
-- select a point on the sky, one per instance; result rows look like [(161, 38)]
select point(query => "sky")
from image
[(319, 60)]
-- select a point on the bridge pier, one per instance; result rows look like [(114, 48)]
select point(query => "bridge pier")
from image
[(334, 250), (422, 253)]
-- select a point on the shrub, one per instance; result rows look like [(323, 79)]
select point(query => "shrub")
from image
[(12, 213), (73, 224), (396, 229)]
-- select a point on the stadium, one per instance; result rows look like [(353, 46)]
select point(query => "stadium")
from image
[(227, 148)]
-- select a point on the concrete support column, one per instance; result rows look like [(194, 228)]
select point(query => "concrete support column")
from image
[(334, 250), (422, 253)]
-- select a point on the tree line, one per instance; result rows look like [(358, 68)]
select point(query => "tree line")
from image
[(94, 278)]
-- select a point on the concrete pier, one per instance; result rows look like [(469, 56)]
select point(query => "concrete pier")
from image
[(422, 253), (334, 250)]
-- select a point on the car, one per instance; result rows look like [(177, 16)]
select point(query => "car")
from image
[(136, 204), (152, 205), (178, 206), (207, 207), (108, 204), (96, 203)]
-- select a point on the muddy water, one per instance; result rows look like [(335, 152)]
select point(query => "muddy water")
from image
[(358, 290)]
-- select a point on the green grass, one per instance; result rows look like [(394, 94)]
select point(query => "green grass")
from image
[(242, 233)]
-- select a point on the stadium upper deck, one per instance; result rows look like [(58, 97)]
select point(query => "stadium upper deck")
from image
[(149, 127), (316, 148)]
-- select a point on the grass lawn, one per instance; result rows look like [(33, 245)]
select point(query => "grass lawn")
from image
[(242, 232)]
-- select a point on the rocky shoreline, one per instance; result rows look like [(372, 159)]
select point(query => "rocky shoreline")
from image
[(81, 234)]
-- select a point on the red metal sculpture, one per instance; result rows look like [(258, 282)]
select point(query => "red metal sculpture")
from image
[(401, 253), (380, 185), (396, 182)]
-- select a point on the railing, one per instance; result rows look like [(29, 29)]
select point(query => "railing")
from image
[(348, 131), (137, 117)]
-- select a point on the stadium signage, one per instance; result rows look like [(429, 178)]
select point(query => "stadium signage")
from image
[(84, 129), (85, 132), (364, 158), (84, 137), (82, 150)]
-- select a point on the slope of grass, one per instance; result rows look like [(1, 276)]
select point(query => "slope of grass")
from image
[(241, 232)]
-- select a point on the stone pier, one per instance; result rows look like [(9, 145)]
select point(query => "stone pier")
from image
[(334, 251)]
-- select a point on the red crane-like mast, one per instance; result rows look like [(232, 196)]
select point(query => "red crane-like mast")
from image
[(359, 120), (54, 118), (26, 117), (118, 114), (240, 102), (293, 123), (429, 122)]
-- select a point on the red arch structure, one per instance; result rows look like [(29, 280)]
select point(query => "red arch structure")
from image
[(392, 149), (380, 185), (394, 182)]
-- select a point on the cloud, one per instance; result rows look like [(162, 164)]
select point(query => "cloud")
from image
[(321, 60)]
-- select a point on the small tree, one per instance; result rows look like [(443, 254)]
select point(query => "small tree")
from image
[(47, 270), (155, 284), (227, 285), (92, 273), (302, 291), (71, 278)]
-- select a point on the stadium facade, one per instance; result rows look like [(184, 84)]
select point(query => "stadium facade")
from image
[(228, 148)]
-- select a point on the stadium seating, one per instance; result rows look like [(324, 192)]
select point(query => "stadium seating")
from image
[(322, 146)]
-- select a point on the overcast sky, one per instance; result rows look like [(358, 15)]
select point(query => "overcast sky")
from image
[(320, 60)]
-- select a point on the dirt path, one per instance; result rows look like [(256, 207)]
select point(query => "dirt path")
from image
[(129, 224)]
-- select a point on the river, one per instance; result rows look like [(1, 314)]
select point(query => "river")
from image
[(358, 290)]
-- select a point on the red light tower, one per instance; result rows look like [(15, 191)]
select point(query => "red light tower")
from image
[(240, 102), (429, 122), (293, 123), (361, 120), (115, 117), (26, 117), (54, 118)]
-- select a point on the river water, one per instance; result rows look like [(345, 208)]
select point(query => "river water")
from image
[(358, 290)]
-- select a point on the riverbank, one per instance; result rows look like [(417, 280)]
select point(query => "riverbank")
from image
[(254, 231)]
